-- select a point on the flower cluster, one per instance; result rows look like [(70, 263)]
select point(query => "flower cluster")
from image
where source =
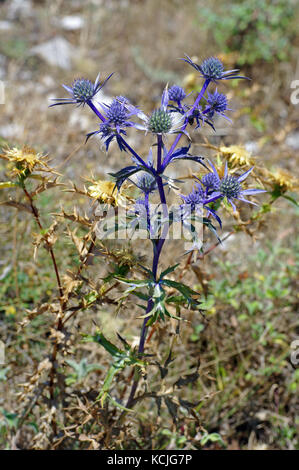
[(172, 116), (213, 187)]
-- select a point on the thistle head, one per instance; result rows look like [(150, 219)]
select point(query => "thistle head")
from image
[(230, 186), (217, 101), (147, 183), (195, 197), (211, 181), (83, 90), (117, 112), (160, 122), (212, 68), (176, 93)]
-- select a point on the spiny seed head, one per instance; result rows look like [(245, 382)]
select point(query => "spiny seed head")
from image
[(195, 197), (160, 122), (212, 68), (146, 182), (117, 113), (210, 181), (176, 93), (83, 90), (230, 187), (217, 101)]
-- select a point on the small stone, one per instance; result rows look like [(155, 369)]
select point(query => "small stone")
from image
[(19, 9), (5, 25), (72, 23), (11, 131), (251, 147), (79, 120), (57, 52), (292, 140)]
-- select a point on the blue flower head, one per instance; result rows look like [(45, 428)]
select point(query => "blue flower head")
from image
[(211, 181), (217, 102), (176, 93), (162, 121), (81, 92), (212, 69), (117, 117), (117, 113), (146, 182), (197, 201), (194, 198), (231, 188)]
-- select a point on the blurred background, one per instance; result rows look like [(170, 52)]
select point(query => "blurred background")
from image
[(248, 378)]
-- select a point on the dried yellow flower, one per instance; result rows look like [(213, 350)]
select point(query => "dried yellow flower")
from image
[(283, 179), (237, 156), (23, 161), (107, 192)]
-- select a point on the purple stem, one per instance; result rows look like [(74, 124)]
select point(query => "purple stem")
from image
[(158, 246), (175, 143), (157, 251), (148, 219), (135, 154), (95, 110)]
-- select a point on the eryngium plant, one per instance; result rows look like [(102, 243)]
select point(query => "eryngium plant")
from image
[(175, 115), (147, 368)]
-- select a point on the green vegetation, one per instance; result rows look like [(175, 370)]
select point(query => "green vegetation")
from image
[(255, 29)]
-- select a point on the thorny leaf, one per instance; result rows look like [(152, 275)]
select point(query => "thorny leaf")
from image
[(188, 404), (46, 184), (70, 283), (78, 242), (75, 217), (48, 236), (164, 368), (121, 359)]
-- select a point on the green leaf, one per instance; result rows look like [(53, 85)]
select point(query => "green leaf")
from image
[(211, 227), (99, 338), (213, 437), (82, 369), (186, 291), (169, 270), (134, 282), (291, 199), (11, 418)]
